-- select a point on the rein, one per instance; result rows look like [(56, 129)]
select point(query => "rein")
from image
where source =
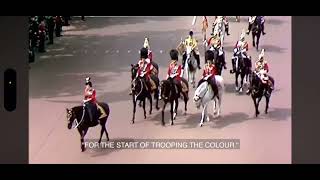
[(78, 123)]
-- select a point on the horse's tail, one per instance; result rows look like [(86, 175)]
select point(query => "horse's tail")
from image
[(105, 107)]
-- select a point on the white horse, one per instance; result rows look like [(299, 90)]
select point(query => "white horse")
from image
[(190, 71), (204, 94)]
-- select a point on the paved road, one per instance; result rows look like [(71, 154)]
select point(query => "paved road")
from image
[(104, 48)]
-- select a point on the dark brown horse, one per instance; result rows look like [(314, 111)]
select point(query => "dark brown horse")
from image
[(78, 116), (170, 93)]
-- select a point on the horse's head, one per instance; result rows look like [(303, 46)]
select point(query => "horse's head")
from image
[(165, 90), (71, 116), (199, 93), (138, 85), (134, 70)]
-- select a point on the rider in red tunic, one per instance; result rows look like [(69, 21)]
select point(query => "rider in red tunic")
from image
[(90, 100), (209, 71), (175, 71), (145, 68)]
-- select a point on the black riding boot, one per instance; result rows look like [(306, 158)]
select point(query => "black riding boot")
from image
[(184, 58)]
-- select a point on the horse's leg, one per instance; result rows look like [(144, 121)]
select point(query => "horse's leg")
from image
[(258, 112), (236, 81), (204, 114), (185, 102), (267, 104), (258, 40), (241, 83), (193, 79), (144, 108), (82, 135), (255, 105), (150, 100), (171, 111), (101, 132), (134, 110), (156, 95), (163, 108), (253, 36), (176, 109), (81, 140)]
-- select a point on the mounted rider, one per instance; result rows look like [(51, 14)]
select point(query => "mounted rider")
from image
[(175, 71), (261, 70), (241, 47), (90, 101), (145, 68), (146, 45), (191, 41), (221, 19), (259, 20), (209, 72), (215, 45)]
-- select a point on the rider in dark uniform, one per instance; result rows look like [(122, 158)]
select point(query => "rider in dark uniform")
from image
[(50, 23)]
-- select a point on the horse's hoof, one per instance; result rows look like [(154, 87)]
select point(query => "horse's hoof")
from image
[(237, 88), (240, 90), (266, 112), (171, 124), (150, 113), (201, 124), (83, 149), (163, 124), (208, 119), (132, 122), (157, 108)]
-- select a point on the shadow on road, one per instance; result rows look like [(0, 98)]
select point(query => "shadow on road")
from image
[(273, 48), (231, 118), (279, 114)]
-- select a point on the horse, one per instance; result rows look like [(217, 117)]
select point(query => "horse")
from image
[(204, 94), (256, 33), (170, 93), (140, 92), (154, 77), (259, 90), (243, 68), (79, 116)]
